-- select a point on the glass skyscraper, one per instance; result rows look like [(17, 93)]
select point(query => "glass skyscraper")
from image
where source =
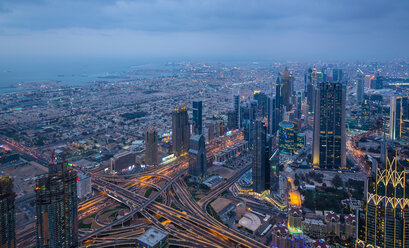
[(197, 165), (7, 213), (398, 112), (197, 117), (180, 131), (261, 165), (384, 220), (329, 142), (287, 139), (57, 208), (151, 146)]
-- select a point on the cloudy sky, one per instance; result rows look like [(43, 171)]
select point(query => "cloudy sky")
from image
[(280, 29)]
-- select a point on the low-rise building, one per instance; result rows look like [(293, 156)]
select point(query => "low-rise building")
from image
[(333, 222), (294, 217), (153, 238), (350, 226), (250, 221), (314, 228), (224, 208)]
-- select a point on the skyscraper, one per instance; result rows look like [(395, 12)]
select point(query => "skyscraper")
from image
[(57, 208), (197, 166), (329, 142), (197, 117), (261, 168), (310, 97), (180, 131), (7, 213), (337, 75), (151, 146), (360, 86), (219, 128), (365, 114), (287, 89), (287, 137), (384, 219), (398, 112), (236, 107), (276, 108)]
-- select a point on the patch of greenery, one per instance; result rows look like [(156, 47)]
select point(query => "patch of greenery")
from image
[(81, 225), (148, 192)]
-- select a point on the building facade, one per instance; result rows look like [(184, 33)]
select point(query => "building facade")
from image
[(384, 219), (398, 113), (287, 138), (197, 117), (197, 165), (329, 141), (360, 89), (57, 208), (7, 213), (151, 146), (236, 106), (84, 185), (261, 168), (180, 131)]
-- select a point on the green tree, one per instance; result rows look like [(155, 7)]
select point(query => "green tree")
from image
[(337, 181)]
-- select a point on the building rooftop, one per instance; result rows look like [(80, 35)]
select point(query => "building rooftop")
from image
[(220, 203), (250, 221), (152, 236)]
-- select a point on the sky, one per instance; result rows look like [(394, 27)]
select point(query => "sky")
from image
[(204, 29)]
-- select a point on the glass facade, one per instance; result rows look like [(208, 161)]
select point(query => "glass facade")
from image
[(57, 209), (287, 137), (329, 148), (7, 216), (384, 222), (180, 131), (197, 117)]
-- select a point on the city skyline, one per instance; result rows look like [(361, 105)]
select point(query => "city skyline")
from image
[(214, 123)]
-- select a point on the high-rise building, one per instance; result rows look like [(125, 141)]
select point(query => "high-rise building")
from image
[(261, 168), (197, 165), (236, 106), (84, 185), (287, 137), (398, 113), (365, 115), (337, 75), (151, 146), (329, 142), (231, 120), (274, 161), (123, 161), (262, 104), (7, 213), (210, 131), (384, 218), (219, 128), (276, 108), (287, 81), (180, 131), (57, 208), (310, 97), (360, 86), (197, 117), (377, 81)]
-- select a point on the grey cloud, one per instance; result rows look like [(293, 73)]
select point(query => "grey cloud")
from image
[(267, 27)]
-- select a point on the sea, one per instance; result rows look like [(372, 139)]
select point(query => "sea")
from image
[(74, 73)]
